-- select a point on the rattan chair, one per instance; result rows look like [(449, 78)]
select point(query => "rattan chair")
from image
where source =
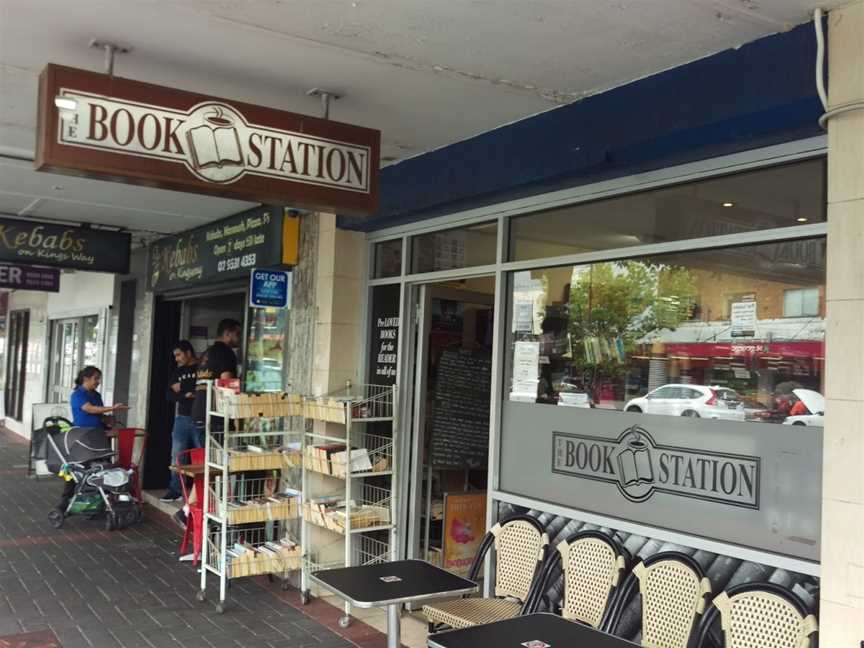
[(673, 589), (592, 565), (520, 544), (759, 615)]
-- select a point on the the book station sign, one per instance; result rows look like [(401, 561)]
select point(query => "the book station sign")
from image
[(141, 133), (62, 246), (640, 467), (227, 249)]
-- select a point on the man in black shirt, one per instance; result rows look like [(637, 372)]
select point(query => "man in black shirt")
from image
[(218, 361), (181, 390)]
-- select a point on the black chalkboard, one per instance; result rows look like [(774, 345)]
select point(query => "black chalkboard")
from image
[(460, 419)]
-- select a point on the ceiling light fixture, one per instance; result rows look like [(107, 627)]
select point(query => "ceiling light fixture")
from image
[(65, 103), (728, 204), (802, 219)]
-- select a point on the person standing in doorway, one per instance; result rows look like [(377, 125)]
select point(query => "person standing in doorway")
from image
[(181, 390), (218, 362)]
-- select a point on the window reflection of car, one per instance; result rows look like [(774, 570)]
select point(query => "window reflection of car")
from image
[(812, 404), (697, 401), (572, 394)]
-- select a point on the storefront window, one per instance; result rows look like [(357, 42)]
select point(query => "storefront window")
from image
[(782, 196), (388, 259), (455, 248), (735, 334)]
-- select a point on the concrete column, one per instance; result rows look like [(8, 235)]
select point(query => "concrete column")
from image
[(337, 349), (842, 590)]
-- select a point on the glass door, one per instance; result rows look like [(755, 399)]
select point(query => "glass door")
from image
[(452, 352), (74, 345)]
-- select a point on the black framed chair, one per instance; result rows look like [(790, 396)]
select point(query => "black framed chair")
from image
[(592, 565), (673, 588), (758, 615), (521, 545)]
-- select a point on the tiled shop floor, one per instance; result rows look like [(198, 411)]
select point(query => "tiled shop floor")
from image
[(98, 589)]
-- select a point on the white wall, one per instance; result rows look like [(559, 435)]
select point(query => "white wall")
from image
[(37, 352), (81, 293)]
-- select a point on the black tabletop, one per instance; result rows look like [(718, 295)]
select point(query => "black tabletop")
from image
[(530, 631), (393, 582)]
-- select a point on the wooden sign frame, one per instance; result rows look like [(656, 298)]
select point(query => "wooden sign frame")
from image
[(140, 133)]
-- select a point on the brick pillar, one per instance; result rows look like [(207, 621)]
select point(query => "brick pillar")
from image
[(842, 591)]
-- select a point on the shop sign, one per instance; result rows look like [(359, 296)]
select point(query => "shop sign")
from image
[(227, 249), (639, 467), (464, 524), (23, 277), (62, 246), (140, 133), (743, 316), (269, 288)]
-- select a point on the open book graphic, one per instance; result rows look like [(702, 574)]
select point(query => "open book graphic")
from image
[(634, 464), (215, 145)]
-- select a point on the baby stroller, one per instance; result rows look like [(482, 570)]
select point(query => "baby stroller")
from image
[(82, 456)]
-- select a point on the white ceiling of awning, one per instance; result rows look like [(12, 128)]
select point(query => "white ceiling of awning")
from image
[(425, 73)]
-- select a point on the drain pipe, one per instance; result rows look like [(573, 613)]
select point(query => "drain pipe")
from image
[(820, 76)]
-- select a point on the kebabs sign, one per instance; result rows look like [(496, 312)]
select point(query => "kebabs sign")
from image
[(147, 134)]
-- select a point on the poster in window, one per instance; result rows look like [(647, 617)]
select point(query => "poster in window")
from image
[(464, 527)]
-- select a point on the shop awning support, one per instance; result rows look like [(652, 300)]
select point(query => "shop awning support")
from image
[(111, 49), (326, 96)]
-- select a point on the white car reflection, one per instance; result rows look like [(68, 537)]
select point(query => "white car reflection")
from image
[(697, 401), (815, 404)]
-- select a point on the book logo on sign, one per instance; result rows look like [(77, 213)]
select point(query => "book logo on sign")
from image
[(639, 467), (215, 144)]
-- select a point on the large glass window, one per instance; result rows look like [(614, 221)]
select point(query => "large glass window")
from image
[(734, 334), (455, 248), (388, 259), (782, 196)]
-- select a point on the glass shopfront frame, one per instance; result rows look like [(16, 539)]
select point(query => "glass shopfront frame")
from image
[(502, 269)]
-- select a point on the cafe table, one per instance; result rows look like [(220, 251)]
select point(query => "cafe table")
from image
[(530, 631), (390, 585)]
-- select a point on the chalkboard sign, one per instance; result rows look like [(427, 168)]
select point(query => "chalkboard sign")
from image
[(385, 335), (460, 420)]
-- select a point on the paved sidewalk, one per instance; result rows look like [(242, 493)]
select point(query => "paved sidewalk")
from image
[(82, 587)]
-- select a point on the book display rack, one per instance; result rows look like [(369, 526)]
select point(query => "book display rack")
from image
[(348, 510), (253, 450)]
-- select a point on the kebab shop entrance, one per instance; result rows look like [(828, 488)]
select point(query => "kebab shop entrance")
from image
[(200, 278)]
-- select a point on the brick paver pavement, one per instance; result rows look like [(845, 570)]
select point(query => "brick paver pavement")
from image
[(98, 589)]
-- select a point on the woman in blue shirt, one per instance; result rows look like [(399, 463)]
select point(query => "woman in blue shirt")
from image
[(87, 407)]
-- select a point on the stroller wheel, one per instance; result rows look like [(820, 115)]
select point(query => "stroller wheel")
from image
[(110, 521), (55, 518), (139, 516)]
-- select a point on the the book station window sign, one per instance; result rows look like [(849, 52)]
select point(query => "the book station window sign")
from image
[(673, 390), (63, 246), (227, 249), (640, 467), (142, 133)]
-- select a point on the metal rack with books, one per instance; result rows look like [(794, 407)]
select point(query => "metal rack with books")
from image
[(348, 507), (252, 471)]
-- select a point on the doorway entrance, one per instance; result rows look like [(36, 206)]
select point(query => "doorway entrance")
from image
[(452, 376), (74, 345), (194, 318)]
